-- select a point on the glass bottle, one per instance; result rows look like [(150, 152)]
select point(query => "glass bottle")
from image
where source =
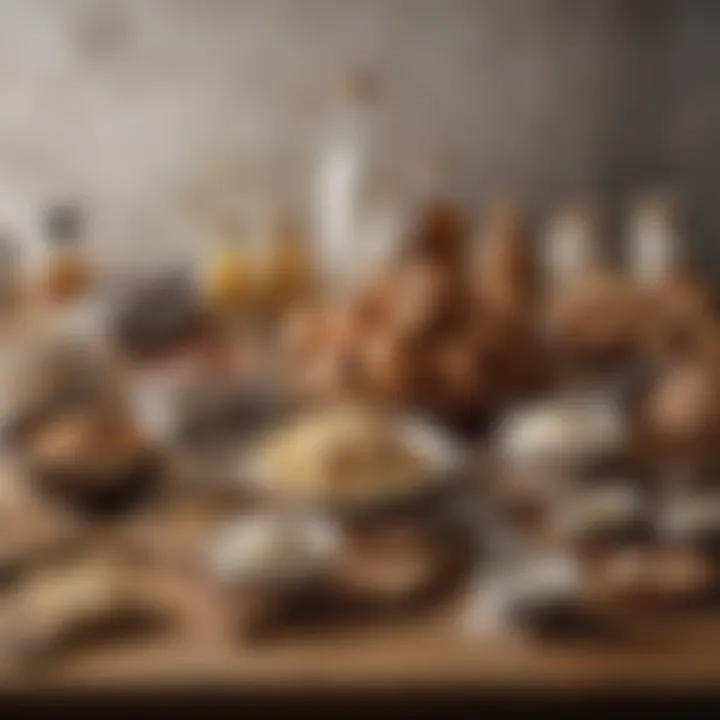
[(290, 273), (342, 175), (68, 273), (9, 272), (228, 278), (573, 245), (654, 242)]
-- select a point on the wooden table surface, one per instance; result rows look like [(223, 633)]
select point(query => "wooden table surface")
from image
[(679, 654), (646, 650), (421, 650)]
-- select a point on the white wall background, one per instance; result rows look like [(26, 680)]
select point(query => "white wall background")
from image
[(132, 103)]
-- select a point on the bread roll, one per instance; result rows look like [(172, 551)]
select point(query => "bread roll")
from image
[(503, 278), (438, 234)]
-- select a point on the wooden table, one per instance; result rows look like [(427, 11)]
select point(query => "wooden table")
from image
[(418, 656), (421, 651), (647, 652)]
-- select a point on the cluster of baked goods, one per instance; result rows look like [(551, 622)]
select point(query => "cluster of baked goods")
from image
[(459, 329), (434, 332)]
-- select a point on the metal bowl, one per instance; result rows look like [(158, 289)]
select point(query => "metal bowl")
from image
[(444, 457), (81, 484)]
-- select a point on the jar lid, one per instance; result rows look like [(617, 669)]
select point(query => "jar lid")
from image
[(63, 221)]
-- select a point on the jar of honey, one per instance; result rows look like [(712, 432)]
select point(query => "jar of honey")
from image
[(228, 282), (9, 272), (68, 273), (288, 277)]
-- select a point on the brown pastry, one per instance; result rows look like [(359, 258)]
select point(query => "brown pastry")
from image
[(373, 306), (503, 273), (388, 368), (680, 415), (301, 332), (319, 348), (512, 358), (438, 235), (681, 316), (427, 296), (596, 321), (393, 563), (457, 386)]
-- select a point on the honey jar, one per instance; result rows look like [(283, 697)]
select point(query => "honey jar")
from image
[(228, 282), (68, 273), (288, 277), (9, 272)]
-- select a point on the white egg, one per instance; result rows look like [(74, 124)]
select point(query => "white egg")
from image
[(270, 548), (562, 432), (546, 579)]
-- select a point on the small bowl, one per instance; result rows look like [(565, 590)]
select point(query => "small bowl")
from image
[(258, 583), (81, 484), (97, 492), (151, 316), (398, 564), (445, 465)]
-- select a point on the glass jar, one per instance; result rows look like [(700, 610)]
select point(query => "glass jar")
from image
[(228, 282), (289, 275), (9, 272), (68, 273)]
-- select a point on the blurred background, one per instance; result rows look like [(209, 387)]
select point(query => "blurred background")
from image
[(134, 105)]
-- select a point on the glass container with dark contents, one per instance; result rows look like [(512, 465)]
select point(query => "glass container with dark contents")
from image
[(90, 458), (68, 273)]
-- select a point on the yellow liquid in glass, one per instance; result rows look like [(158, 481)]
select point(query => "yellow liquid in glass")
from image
[(289, 276), (229, 282), (69, 275)]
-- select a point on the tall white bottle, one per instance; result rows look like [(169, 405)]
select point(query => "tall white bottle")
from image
[(572, 246), (654, 243), (341, 182)]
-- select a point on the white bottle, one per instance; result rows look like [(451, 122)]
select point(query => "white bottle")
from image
[(341, 181), (654, 242), (573, 246)]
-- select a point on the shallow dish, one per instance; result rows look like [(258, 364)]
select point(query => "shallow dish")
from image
[(442, 456), (82, 483)]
